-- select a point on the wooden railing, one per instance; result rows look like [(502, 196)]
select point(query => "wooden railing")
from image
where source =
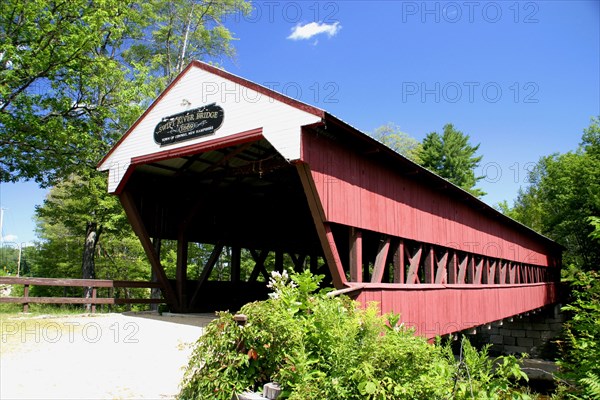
[(93, 283)]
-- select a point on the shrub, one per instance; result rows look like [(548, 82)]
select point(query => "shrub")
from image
[(580, 347), (321, 347)]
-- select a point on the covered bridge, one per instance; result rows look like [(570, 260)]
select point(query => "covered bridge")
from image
[(220, 160)]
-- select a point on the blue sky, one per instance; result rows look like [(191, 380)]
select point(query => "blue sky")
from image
[(521, 78)]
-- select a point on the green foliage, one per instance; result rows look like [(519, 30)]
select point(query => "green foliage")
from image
[(391, 135), (61, 84), (591, 385), (61, 226), (74, 75), (563, 194), (481, 376), (322, 347), (580, 348), (451, 156)]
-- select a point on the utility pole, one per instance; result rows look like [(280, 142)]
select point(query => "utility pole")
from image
[(1, 222), (19, 260)]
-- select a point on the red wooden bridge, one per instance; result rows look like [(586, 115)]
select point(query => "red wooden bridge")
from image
[(220, 160)]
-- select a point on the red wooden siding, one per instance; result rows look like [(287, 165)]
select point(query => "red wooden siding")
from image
[(441, 309), (360, 192)]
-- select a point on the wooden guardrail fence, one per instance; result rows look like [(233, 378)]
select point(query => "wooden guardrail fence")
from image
[(93, 283)]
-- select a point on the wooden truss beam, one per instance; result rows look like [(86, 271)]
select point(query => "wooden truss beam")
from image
[(380, 260), (442, 268), (414, 260), (323, 229), (259, 267), (208, 267), (139, 228)]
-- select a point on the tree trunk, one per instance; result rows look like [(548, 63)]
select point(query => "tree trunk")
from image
[(88, 267)]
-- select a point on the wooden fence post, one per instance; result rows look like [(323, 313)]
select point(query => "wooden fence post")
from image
[(25, 294), (94, 291)]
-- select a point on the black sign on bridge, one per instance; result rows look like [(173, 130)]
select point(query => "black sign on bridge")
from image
[(189, 124)]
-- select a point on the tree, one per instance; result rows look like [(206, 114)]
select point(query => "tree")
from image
[(563, 198), (62, 86), (75, 74), (451, 156), (82, 205), (391, 135), (75, 215)]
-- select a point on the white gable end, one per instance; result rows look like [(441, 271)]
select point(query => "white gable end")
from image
[(244, 109)]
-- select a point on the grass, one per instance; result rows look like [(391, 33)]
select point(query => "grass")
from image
[(19, 329)]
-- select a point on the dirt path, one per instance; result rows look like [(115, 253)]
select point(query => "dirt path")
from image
[(114, 356)]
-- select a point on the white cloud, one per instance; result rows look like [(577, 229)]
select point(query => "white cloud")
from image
[(308, 31), (9, 238)]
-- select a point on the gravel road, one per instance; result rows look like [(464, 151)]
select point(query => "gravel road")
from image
[(105, 356)]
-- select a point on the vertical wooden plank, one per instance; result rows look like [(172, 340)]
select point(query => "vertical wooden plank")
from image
[(25, 295), (94, 294), (356, 257), (452, 273), (399, 267), (470, 268), (380, 260), (429, 265)]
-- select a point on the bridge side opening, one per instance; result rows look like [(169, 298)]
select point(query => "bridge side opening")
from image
[(229, 215)]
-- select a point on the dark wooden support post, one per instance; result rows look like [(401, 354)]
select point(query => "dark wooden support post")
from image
[(356, 272), (236, 263), (155, 292), (94, 295), (485, 273), (470, 268), (452, 273), (26, 295), (380, 260), (399, 263), (441, 275), (414, 261), (140, 230), (181, 269), (493, 273), (429, 265)]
